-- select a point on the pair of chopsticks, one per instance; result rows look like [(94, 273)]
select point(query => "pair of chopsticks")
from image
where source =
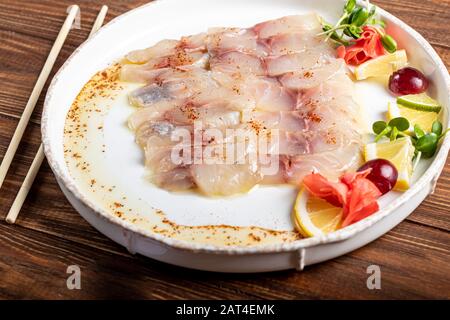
[(31, 104)]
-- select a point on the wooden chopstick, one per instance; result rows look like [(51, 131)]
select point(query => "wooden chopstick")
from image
[(25, 187), (99, 21), (31, 104), (37, 162)]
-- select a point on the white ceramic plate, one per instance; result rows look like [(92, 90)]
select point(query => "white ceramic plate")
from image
[(132, 211)]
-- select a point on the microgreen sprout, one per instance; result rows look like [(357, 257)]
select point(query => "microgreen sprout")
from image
[(389, 43), (392, 130), (426, 143), (351, 22), (350, 25)]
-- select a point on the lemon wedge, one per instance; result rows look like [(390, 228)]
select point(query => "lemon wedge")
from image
[(420, 102), (381, 66), (314, 216), (423, 118), (400, 152)]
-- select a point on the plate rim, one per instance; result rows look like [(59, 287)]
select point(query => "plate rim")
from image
[(431, 174)]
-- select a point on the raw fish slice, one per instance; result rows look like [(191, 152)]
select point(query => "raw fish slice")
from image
[(151, 114), (179, 58), (169, 135), (237, 63), (158, 150), (317, 117), (296, 43), (149, 95), (325, 93), (311, 78), (331, 164), (211, 116), (139, 73), (269, 95), (310, 142), (308, 23), (236, 90), (318, 103), (290, 143), (178, 179), (196, 42), (164, 172), (275, 178), (164, 131), (274, 99), (146, 73), (206, 87), (241, 133), (301, 133), (297, 62), (221, 40), (194, 84), (144, 130), (281, 120), (166, 48), (225, 179), (219, 175), (161, 49)]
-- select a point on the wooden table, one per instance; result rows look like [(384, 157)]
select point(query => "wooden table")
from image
[(50, 235)]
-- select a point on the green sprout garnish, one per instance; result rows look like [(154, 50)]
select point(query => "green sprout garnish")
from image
[(350, 25), (389, 43), (392, 130), (426, 143)]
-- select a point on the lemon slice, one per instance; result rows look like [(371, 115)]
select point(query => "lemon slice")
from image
[(420, 102), (400, 152), (314, 216), (381, 66), (422, 118)]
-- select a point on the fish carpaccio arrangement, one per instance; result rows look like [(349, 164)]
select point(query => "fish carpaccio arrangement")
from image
[(277, 75), (229, 109)]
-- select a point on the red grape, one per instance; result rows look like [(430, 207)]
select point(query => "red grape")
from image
[(408, 81), (384, 174)]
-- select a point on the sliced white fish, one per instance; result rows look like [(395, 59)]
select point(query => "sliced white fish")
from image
[(297, 62), (169, 48), (220, 40), (289, 43), (306, 79), (238, 63), (275, 93), (308, 23), (211, 116)]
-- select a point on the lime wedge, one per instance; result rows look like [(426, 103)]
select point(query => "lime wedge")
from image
[(421, 102), (422, 118)]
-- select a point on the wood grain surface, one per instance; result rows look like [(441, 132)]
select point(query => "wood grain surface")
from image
[(50, 235)]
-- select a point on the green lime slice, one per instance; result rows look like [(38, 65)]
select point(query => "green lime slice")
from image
[(421, 102)]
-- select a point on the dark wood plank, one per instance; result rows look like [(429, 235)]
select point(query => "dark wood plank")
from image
[(50, 235), (28, 30), (427, 16), (107, 275)]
